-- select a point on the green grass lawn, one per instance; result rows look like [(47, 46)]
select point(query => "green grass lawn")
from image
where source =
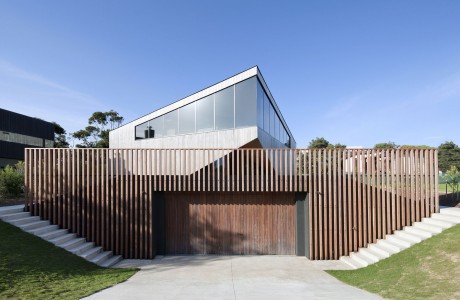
[(31, 268), (428, 270)]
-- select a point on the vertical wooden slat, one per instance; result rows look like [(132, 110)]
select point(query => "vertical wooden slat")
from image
[(320, 205), (329, 204), (310, 206), (374, 195), (412, 186), (432, 174), (397, 211), (422, 183), (388, 190), (355, 203), (368, 197), (358, 161), (315, 204), (379, 193), (97, 228), (334, 191)]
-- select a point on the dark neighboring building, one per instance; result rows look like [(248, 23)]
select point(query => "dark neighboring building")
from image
[(18, 132)]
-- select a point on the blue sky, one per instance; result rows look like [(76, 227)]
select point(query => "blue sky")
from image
[(354, 72)]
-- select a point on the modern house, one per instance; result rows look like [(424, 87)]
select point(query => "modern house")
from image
[(18, 132), (238, 112)]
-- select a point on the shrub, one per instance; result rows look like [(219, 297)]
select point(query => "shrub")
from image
[(12, 181)]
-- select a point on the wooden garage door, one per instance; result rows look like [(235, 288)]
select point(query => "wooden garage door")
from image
[(229, 223)]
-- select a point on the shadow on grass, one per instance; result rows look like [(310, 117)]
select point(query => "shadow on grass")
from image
[(31, 268)]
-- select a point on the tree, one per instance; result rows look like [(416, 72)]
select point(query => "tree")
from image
[(387, 145), (416, 147), (96, 134), (453, 179), (448, 156), (340, 146), (60, 138), (321, 143)]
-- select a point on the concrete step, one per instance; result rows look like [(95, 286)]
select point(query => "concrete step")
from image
[(91, 253), (361, 258), (33, 225), (7, 210), (443, 224), (111, 261), (423, 234), (43, 230), (408, 236), (99, 258), (351, 262), (389, 246), (429, 228), (79, 249), (14, 216), (378, 249), (446, 217), (53, 234), (452, 211), (62, 239), (22, 221), (72, 243), (399, 241), (369, 253)]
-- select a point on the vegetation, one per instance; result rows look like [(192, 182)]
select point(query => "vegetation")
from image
[(428, 270), (31, 268), (60, 136), (12, 181), (387, 145), (96, 134), (453, 178), (415, 147), (321, 143), (448, 156)]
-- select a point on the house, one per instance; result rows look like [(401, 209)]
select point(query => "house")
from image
[(238, 112), (18, 132)]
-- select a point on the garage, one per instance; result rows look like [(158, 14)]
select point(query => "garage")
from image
[(229, 223)]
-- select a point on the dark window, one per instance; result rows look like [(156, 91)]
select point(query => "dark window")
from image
[(170, 123), (224, 103), (267, 106), (246, 103), (156, 127), (205, 114), (187, 118), (260, 106), (142, 131)]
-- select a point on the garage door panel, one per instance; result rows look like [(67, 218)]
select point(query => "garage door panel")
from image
[(229, 223)]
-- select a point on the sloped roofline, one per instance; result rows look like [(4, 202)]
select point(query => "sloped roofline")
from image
[(253, 71)]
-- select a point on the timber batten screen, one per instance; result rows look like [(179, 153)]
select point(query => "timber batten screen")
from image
[(354, 196)]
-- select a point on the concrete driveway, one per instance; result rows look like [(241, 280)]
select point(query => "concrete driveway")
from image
[(230, 277)]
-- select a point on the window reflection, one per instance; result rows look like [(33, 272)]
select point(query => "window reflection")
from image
[(242, 105)]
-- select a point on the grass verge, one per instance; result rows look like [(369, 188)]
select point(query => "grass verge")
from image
[(31, 268), (428, 270)]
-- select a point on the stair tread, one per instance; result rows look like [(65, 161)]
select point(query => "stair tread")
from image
[(33, 224), (81, 246), (100, 256), (35, 230), (13, 216), (57, 231), (71, 242), (111, 261), (63, 237), (353, 263)]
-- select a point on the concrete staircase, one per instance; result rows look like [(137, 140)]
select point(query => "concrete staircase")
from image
[(403, 239), (16, 216)]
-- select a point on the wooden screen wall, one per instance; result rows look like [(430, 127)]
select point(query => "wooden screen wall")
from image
[(355, 196), (359, 196)]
